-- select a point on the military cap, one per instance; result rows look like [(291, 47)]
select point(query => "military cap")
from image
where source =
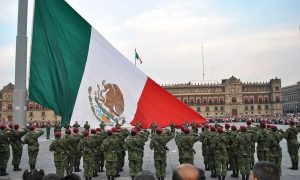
[(159, 130), (206, 126), (187, 130), (57, 134), (269, 126), (243, 128), (227, 126), (249, 122), (68, 131), (10, 126), (133, 132), (3, 126), (137, 128), (85, 133), (98, 129), (75, 130), (16, 126), (212, 128), (233, 127), (93, 131), (262, 124), (118, 126), (292, 123), (109, 132), (182, 128), (31, 128), (274, 128), (220, 129), (114, 129)]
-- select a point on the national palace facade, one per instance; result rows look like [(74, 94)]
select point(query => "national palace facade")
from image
[(230, 97)]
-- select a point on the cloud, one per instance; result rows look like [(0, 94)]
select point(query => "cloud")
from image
[(7, 64)]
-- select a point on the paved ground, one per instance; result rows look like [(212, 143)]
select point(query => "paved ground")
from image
[(45, 161)]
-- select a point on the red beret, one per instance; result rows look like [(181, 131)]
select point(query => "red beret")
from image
[(262, 124), (16, 126), (85, 133), (292, 123), (274, 128), (233, 127), (93, 131), (269, 126), (75, 130), (212, 128), (113, 129), (159, 130), (58, 134), (220, 129), (98, 129), (31, 128), (227, 126), (68, 131), (243, 128), (133, 132), (248, 122), (182, 128), (186, 130), (3, 126), (109, 132), (118, 126), (137, 128)]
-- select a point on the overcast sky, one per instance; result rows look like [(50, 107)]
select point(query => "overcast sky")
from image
[(252, 40)]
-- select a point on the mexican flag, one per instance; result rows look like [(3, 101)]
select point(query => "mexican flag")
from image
[(77, 73)]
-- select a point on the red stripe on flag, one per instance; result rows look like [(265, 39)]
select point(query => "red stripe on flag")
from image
[(158, 105)]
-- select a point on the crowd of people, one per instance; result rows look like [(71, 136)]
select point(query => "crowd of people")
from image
[(223, 148)]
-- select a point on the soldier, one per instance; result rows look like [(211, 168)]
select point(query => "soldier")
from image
[(228, 135), (253, 131), (263, 143), (185, 144), (292, 144), (212, 162), (95, 152), (124, 133), (234, 153), (57, 127), (158, 143), (87, 146), (31, 139), (4, 149), (205, 148), (172, 126), (109, 146), (76, 125), (86, 126), (153, 128), (221, 157), (70, 142), (179, 141), (48, 129), (139, 124), (242, 146), (59, 147), (144, 134), (67, 126), (194, 127), (78, 137), (133, 145), (101, 135), (275, 137), (17, 146)]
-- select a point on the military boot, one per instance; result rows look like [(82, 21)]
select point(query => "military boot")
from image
[(132, 177), (233, 173), (95, 174), (243, 177), (3, 172), (247, 177), (296, 166), (16, 168), (108, 177), (237, 173), (32, 166), (223, 177), (219, 178), (101, 169)]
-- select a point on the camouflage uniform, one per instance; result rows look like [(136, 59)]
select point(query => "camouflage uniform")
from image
[(124, 133), (293, 145), (59, 148), (253, 131), (144, 134), (86, 126), (205, 147), (275, 138), (185, 145), (100, 155), (234, 154), (87, 147), (31, 139), (76, 125), (48, 129), (109, 146), (221, 157), (57, 128), (153, 127), (78, 153), (158, 143), (172, 126), (178, 142), (211, 153), (4, 150), (70, 141), (17, 147), (263, 144)]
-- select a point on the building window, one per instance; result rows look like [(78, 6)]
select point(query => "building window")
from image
[(210, 100), (252, 108), (216, 100), (207, 109), (266, 99), (204, 100), (216, 108), (246, 100), (198, 101), (259, 107), (277, 99), (192, 101), (9, 106), (185, 101), (233, 99), (266, 107), (30, 114), (198, 109), (277, 88), (246, 108), (260, 99), (43, 114), (251, 100), (221, 100), (222, 108)]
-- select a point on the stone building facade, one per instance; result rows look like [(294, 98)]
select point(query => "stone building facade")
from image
[(231, 97), (291, 98), (35, 112)]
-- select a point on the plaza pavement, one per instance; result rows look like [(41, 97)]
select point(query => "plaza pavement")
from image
[(45, 161)]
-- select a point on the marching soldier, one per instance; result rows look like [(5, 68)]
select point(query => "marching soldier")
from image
[(153, 128), (70, 141), (275, 137), (59, 148), (253, 131), (263, 143), (4, 149), (48, 129), (102, 126), (205, 147), (86, 126), (17, 146), (158, 143), (76, 125), (78, 137), (212, 162), (87, 146), (172, 126), (57, 127), (31, 139), (292, 144), (234, 154)]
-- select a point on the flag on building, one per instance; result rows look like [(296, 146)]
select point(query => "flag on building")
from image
[(137, 57), (77, 73)]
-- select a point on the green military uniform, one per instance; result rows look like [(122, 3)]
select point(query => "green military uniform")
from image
[(99, 138), (109, 146), (87, 147), (242, 144), (76, 125), (253, 130), (221, 158), (124, 133), (211, 154), (57, 128), (293, 145), (205, 147), (153, 127), (234, 153), (158, 143), (87, 126), (134, 146), (78, 153), (70, 141), (48, 129), (144, 134), (185, 143), (4, 150), (275, 138), (263, 144), (31, 139), (17, 147), (194, 127), (60, 149), (172, 126)]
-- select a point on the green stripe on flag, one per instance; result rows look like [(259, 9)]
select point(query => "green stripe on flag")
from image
[(60, 44)]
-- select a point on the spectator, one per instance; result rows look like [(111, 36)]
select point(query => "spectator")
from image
[(145, 175), (33, 174), (188, 172), (265, 170)]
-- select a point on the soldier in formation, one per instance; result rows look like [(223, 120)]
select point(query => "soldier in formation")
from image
[(48, 129), (292, 144), (4, 149)]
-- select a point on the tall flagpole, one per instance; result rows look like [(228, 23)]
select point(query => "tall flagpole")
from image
[(20, 93)]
